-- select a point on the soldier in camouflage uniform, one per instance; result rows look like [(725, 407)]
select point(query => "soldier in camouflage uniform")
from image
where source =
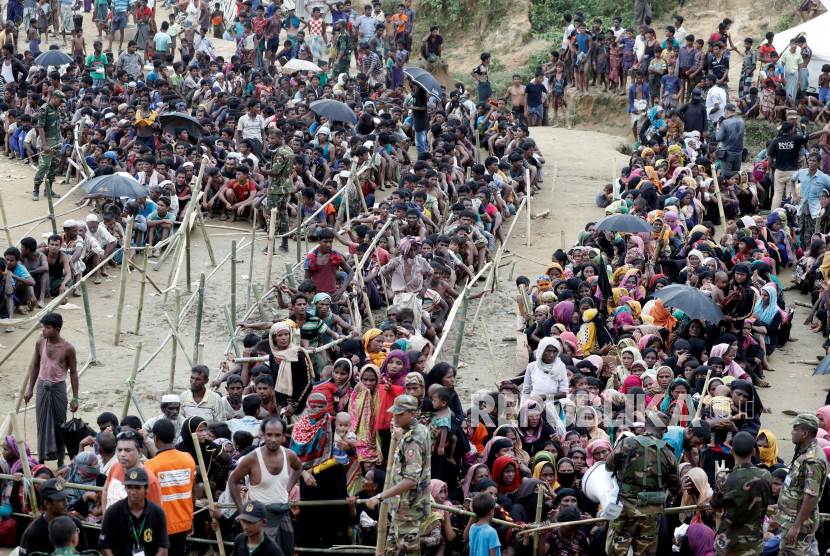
[(49, 130), (279, 183), (645, 468), (743, 495), (409, 494), (344, 46), (797, 514)]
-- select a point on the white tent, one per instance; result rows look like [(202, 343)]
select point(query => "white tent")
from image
[(815, 31)]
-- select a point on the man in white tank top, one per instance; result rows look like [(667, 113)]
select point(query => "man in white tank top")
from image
[(270, 481)]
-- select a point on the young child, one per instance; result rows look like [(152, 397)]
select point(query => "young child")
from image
[(605, 196), (217, 18), (33, 35), (558, 83), (482, 538), (751, 106), (824, 84), (344, 440), (721, 281), (524, 316), (601, 61), (43, 12), (78, 44), (441, 422)]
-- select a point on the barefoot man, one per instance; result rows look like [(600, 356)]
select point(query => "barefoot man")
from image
[(270, 482), (54, 357)]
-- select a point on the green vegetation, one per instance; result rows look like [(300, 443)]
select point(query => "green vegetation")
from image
[(758, 132), (546, 15), (501, 77), (457, 13)]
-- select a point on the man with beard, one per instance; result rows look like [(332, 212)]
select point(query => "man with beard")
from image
[(171, 406), (270, 482), (175, 471), (199, 401), (232, 403), (36, 537), (128, 448)]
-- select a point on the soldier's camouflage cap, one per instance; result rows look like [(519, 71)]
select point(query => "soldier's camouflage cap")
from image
[(404, 403), (806, 419)]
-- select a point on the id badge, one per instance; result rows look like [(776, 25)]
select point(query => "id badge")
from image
[(787, 482), (138, 551)]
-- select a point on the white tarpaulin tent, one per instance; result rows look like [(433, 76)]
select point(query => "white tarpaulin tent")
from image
[(818, 39)]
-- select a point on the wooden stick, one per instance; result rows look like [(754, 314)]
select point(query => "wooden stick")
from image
[(490, 276), (459, 337), (262, 316), (21, 449), (384, 505), (177, 305), (718, 196), (455, 306), (455, 510), (667, 511), (289, 275), (88, 313), (131, 382), (300, 226), (702, 394), (174, 240), (540, 501), (123, 288), (527, 214), (374, 243), (5, 222), (229, 319), (47, 188), (251, 264), (143, 286), (490, 348), (512, 268), (200, 360), (187, 258), (199, 306), (272, 226), (179, 341), (233, 279), (206, 237), (208, 492)]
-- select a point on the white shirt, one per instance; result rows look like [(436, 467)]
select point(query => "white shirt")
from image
[(714, 96), (569, 30), (251, 128), (617, 32), (540, 383), (102, 235), (640, 46), (680, 35)]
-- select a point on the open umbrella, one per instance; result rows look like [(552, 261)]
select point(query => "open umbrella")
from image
[(691, 301), (119, 184), (54, 58), (301, 65), (623, 223), (334, 110), (169, 123), (823, 367), (425, 80)]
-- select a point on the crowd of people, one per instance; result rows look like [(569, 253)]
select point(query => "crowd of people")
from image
[(667, 402)]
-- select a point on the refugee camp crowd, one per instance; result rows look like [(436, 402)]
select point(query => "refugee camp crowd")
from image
[(373, 426)]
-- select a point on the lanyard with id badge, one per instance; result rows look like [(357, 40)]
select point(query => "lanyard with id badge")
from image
[(138, 550)]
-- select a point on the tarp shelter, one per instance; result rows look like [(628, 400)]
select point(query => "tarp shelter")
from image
[(815, 31)]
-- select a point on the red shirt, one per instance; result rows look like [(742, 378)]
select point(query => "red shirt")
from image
[(242, 192)]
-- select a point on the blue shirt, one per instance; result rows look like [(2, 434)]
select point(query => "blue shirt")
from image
[(162, 41), (582, 42), (811, 189), (120, 6), (21, 272), (674, 436), (482, 539), (149, 208), (671, 84)]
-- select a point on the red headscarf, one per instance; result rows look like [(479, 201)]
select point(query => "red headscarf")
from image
[(498, 467)]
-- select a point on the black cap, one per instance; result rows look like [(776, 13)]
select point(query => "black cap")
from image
[(253, 511), (136, 476), (53, 490)]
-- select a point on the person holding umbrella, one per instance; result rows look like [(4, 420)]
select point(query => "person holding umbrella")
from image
[(48, 127), (420, 120)]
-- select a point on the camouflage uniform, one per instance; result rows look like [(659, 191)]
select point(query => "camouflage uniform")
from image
[(644, 465), (279, 189), (743, 494), (49, 119), (807, 475), (412, 461), (344, 45)]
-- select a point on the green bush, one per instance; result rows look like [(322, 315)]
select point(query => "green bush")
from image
[(460, 12), (546, 15)]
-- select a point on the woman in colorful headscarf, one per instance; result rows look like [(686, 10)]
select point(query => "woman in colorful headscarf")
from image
[(597, 451), (743, 251), (769, 315), (312, 440), (364, 407), (373, 345), (768, 448), (688, 208), (511, 433), (662, 317), (807, 262), (588, 417), (631, 282), (727, 353), (505, 474), (679, 403), (659, 389), (740, 301), (593, 337), (216, 461), (631, 381), (83, 470), (628, 355), (533, 429), (563, 314), (337, 388), (780, 243)]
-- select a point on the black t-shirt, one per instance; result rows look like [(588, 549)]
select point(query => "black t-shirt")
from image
[(534, 93), (420, 122), (120, 528), (36, 537), (719, 67), (786, 151), (267, 548)]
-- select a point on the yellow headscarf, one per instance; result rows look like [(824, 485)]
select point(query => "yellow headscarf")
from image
[(588, 332), (635, 307), (376, 358), (556, 266), (647, 151), (618, 274), (769, 456), (700, 228), (825, 265), (647, 319)]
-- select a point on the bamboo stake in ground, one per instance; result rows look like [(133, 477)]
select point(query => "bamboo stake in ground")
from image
[(300, 226), (21, 449), (540, 501), (143, 286), (199, 307), (384, 505), (272, 226), (206, 238), (490, 276), (705, 390), (88, 313), (490, 348), (48, 190), (131, 382), (233, 279), (251, 264), (177, 306), (262, 316), (289, 275), (187, 256), (459, 338), (5, 222), (123, 290), (229, 319), (208, 492), (527, 213)]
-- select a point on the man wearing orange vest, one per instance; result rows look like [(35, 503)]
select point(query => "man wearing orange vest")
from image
[(175, 471)]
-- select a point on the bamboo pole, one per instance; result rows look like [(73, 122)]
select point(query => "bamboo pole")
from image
[(300, 226), (459, 338), (529, 209), (553, 186), (262, 316), (540, 501), (131, 381), (451, 316), (272, 226), (289, 274), (251, 263), (88, 313), (487, 284), (123, 287), (229, 319), (375, 242), (384, 505), (490, 348), (209, 494), (143, 286), (206, 237), (705, 390), (21, 449), (666, 511), (233, 279), (5, 221), (187, 257), (200, 360), (511, 524), (177, 304), (199, 306), (47, 188), (720, 201), (174, 240), (178, 338)]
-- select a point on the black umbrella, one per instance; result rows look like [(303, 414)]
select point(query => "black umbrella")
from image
[(623, 223), (425, 80), (54, 58), (72, 432), (691, 301), (334, 110), (120, 184), (169, 123)]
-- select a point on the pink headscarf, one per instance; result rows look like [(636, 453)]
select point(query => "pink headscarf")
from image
[(644, 341), (630, 382), (435, 486), (589, 451), (570, 337), (701, 539), (733, 369), (823, 411), (638, 241), (596, 361), (468, 479), (670, 219)]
